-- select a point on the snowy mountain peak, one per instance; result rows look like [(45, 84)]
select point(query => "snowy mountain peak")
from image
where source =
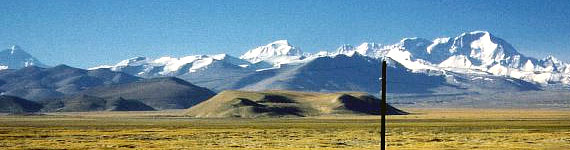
[(483, 37), (270, 51), (367, 48), (15, 58), (486, 49)]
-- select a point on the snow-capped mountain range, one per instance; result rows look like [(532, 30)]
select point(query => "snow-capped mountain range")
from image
[(472, 69), (474, 62), (477, 52), (169, 66), (474, 52)]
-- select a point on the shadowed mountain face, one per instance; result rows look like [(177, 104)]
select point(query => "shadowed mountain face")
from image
[(342, 73), (84, 103), (360, 73), (121, 104), (35, 83), (287, 104), (159, 93), (11, 104)]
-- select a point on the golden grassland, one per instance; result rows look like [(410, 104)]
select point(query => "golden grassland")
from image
[(504, 129)]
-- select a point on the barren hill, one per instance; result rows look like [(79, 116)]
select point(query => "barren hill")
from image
[(11, 104), (84, 103), (159, 93), (244, 104)]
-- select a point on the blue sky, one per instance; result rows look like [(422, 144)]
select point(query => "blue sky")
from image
[(88, 33)]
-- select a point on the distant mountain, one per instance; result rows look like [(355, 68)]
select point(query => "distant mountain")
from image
[(477, 52), (275, 53), (472, 64), (244, 104), (73, 89), (84, 103), (159, 93), (338, 73), (35, 83), (359, 73), (11, 104), (16, 58), (168, 66)]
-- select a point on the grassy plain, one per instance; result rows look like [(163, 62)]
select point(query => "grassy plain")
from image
[(504, 129)]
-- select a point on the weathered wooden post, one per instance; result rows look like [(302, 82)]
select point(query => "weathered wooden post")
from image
[(383, 107)]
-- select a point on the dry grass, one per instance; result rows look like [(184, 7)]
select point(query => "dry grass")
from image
[(427, 129)]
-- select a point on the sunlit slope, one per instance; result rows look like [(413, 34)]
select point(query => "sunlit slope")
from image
[(245, 104)]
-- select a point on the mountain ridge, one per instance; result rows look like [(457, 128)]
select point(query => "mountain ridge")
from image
[(477, 51), (472, 65)]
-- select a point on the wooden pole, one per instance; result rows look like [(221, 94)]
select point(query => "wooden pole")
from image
[(384, 108)]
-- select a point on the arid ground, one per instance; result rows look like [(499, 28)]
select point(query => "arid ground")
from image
[(501, 129)]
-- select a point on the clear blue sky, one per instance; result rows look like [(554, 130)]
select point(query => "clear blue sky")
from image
[(87, 33)]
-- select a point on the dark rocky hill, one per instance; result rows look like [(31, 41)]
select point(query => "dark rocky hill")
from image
[(11, 104)]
